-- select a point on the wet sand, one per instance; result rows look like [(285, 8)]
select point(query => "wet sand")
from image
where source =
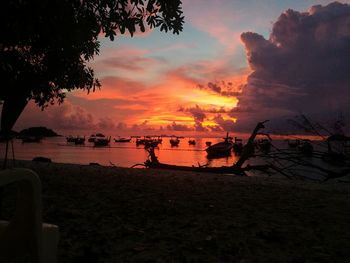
[(110, 214)]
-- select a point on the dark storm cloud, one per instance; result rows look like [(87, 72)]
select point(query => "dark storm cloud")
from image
[(225, 125), (178, 127), (197, 113), (223, 88), (303, 67)]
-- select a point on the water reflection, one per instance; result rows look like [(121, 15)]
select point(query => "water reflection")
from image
[(119, 154)]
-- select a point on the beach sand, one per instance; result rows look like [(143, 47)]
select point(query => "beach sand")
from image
[(110, 214)]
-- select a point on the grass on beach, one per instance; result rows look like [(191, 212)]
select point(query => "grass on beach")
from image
[(138, 215)]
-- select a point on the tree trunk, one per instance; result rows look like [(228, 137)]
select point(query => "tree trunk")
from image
[(11, 110)]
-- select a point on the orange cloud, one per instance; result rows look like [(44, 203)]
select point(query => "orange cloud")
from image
[(135, 103)]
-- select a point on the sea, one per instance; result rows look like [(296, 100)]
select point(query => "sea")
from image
[(122, 154), (129, 154)]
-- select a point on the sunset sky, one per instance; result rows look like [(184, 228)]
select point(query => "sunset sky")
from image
[(235, 63)]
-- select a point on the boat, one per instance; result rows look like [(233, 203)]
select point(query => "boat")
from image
[(338, 150), (339, 143), (237, 168), (76, 140), (102, 141), (70, 138), (121, 139), (140, 141), (220, 149), (293, 143), (79, 140), (192, 142), (174, 141), (151, 143), (238, 146), (159, 139), (264, 145), (93, 137), (153, 162), (305, 147)]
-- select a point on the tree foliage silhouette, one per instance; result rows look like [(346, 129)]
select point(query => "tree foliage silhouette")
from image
[(45, 45)]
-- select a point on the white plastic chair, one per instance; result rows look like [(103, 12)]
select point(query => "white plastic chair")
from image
[(25, 236)]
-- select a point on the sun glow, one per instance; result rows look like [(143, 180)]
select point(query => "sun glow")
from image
[(168, 119), (209, 123), (207, 99), (178, 104)]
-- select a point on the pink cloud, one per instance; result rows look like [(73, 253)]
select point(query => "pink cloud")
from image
[(59, 117), (113, 87)]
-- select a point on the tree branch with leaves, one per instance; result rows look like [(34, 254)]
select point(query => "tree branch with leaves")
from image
[(45, 45)]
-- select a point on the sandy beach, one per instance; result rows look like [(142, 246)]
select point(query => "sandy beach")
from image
[(110, 214)]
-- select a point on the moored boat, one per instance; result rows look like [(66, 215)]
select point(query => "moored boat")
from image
[(70, 138), (122, 139), (305, 147), (93, 137), (293, 143), (102, 141), (140, 141), (238, 146), (79, 140), (191, 142), (174, 141), (338, 151), (264, 145), (75, 139), (220, 149), (339, 143), (151, 143)]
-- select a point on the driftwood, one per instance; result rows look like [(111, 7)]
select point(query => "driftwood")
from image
[(217, 170), (296, 165), (321, 163), (248, 149), (248, 152), (291, 163)]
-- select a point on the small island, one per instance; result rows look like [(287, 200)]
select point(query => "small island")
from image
[(38, 132)]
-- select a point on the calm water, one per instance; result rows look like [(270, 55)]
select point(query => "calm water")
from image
[(119, 154), (128, 154)]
